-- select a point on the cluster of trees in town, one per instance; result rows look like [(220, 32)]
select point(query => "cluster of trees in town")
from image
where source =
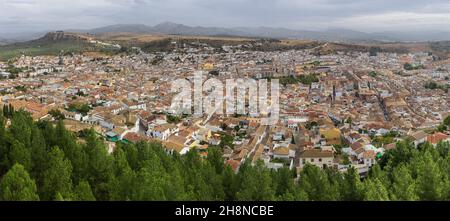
[(373, 51), (14, 71), (373, 74), (445, 125), (433, 85), (43, 161), (410, 67), (82, 108), (306, 79), (57, 114), (384, 139)]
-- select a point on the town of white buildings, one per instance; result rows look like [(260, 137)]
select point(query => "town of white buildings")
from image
[(357, 109)]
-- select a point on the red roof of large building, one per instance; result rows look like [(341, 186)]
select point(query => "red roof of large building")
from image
[(436, 138), (234, 164)]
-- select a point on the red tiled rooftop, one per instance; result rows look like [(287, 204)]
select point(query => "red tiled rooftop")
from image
[(436, 138), (234, 164)]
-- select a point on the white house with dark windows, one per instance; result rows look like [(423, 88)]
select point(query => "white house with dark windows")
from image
[(317, 158)]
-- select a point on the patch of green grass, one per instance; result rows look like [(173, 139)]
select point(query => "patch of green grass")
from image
[(11, 51), (304, 79)]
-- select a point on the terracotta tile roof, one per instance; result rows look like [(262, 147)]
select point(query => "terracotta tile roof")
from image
[(356, 145), (390, 146), (359, 151), (315, 153), (370, 154), (173, 146), (164, 127), (177, 139), (281, 151), (184, 133), (37, 110), (258, 152), (242, 154), (234, 164), (355, 135), (134, 137), (436, 138), (419, 135)]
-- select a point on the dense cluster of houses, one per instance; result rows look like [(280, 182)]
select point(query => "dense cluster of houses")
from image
[(336, 120)]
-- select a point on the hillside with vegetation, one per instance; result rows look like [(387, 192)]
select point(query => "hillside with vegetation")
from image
[(53, 43), (44, 161)]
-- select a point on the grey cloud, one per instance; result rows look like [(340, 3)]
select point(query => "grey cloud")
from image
[(299, 14)]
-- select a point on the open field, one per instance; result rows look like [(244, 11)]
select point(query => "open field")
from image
[(143, 38), (8, 52)]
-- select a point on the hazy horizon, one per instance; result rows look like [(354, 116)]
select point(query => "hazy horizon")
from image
[(367, 16)]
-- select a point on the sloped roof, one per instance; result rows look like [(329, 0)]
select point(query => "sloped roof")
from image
[(281, 151), (315, 153), (418, 135), (436, 138), (173, 146)]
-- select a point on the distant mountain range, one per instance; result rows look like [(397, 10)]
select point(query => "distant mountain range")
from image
[(256, 32), (341, 35), (9, 38), (335, 35)]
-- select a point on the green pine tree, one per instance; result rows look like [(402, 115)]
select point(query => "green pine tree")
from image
[(403, 185), (57, 177), (17, 185), (374, 190), (83, 192)]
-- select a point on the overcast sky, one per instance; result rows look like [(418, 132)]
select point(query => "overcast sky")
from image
[(361, 15)]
